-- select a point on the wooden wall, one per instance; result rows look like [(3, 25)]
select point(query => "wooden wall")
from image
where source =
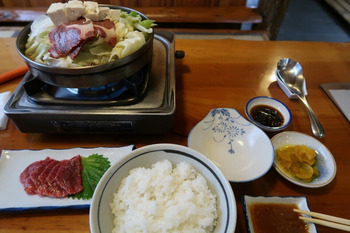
[(269, 12)]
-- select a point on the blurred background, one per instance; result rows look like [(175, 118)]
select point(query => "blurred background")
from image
[(315, 20), (293, 20)]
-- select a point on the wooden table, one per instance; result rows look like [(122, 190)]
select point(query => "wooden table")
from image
[(215, 73)]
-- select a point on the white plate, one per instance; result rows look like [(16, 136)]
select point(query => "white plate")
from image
[(326, 162), (13, 162), (241, 150), (301, 202)]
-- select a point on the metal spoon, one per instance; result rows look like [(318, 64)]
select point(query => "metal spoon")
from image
[(290, 73)]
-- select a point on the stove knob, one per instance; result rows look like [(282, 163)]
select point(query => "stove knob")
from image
[(179, 54)]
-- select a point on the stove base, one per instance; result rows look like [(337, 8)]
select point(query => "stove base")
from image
[(122, 125)]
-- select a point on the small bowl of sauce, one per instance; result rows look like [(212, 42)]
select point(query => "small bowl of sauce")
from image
[(266, 214), (267, 113)]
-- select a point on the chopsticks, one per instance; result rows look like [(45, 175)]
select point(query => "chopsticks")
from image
[(12, 74), (326, 220)]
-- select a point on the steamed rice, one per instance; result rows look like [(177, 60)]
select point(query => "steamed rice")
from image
[(164, 199)]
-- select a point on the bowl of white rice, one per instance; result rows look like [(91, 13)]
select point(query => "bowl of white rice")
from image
[(163, 188)]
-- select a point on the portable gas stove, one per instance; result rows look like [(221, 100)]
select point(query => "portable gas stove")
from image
[(143, 103)]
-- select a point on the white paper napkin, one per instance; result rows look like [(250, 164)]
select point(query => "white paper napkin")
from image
[(342, 98), (4, 97)]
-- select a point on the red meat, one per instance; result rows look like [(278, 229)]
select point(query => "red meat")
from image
[(38, 170), (45, 189), (57, 190), (71, 36), (53, 178), (69, 175), (25, 179), (106, 30)]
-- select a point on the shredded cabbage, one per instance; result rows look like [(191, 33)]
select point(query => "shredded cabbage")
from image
[(132, 42), (131, 32), (38, 43)]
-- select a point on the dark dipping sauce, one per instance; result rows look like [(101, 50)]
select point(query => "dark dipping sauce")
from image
[(276, 218), (267, 115)]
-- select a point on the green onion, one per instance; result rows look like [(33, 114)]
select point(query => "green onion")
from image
[(147, 23), (133, 14)]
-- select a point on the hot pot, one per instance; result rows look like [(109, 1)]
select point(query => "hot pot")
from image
[(91, 76)]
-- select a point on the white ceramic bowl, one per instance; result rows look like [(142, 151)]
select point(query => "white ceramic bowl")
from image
[(326, 163), (101, 217), (247, 201), (276, 104), (242, 151)]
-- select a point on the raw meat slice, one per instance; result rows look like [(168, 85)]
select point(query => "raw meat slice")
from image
[(77, 49), (52, 182), (68, 37), (106, 30), (38, 170), (69, 175), (25, 179), (53, 178), (45, 189)]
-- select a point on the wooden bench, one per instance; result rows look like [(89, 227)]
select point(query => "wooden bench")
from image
[(264, 19)]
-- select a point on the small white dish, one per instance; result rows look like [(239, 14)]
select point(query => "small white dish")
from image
[(247, 201), (101, 216), (275, 104), (326, 163), (242, 151)]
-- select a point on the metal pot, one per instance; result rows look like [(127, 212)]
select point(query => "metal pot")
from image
[(91, 76)]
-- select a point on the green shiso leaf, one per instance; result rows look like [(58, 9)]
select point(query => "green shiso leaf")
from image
[(94, 166)]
